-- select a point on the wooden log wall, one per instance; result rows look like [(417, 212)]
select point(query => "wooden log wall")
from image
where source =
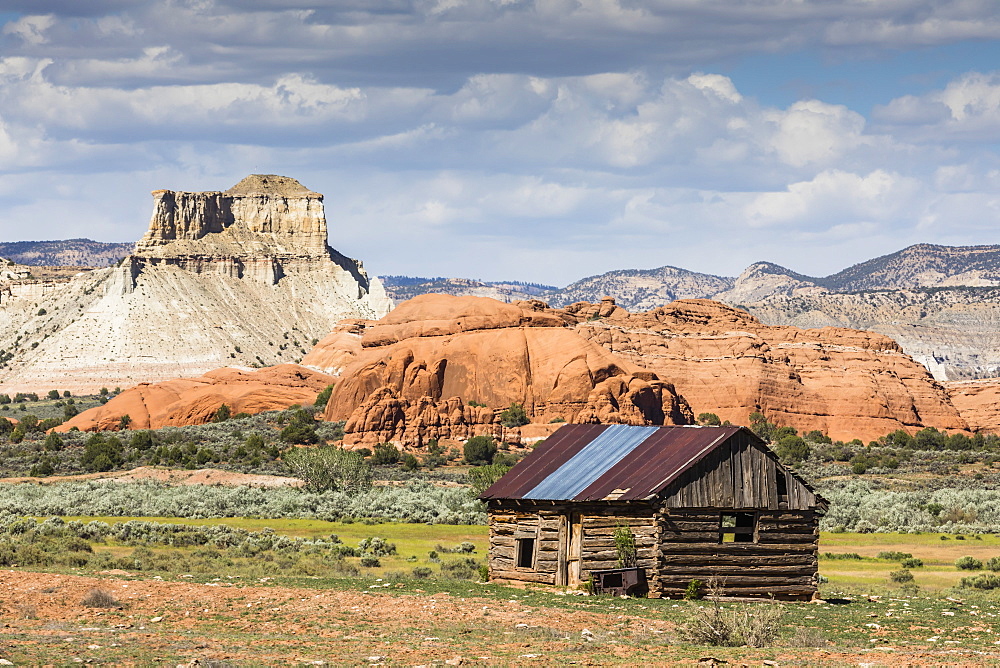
[(549, 525), (599, 524), (782, 562), (509, 524)]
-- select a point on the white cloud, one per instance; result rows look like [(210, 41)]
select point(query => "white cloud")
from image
[(814, 132), (833, 198), (30, 29), (967, 108)]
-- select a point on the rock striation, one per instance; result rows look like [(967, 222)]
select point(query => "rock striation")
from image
[(243, 277), (846, 383), (187, 401), (443, 367), (978, 402)]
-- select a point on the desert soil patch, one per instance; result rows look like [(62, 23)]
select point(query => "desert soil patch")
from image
[(399, 623)]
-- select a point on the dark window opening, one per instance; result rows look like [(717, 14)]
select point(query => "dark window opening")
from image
[(737, 528), (782, 484), (525, 552)]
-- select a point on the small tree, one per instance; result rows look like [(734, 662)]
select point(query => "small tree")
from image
[(301, 430), (479, 450), (514, 416), (53, 442), (53, 394), (223, 414), (323, 397), (141, 440), (385, 454), (100, 454), (124, 422), (792, 450), (481, 477), (329, 468), (709, 419)]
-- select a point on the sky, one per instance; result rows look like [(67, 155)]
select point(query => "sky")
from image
[(533, 140)]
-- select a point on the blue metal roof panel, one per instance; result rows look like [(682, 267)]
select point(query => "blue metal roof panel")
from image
[(590, 463)]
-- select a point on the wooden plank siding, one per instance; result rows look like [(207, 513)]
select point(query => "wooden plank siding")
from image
[(739, 474)]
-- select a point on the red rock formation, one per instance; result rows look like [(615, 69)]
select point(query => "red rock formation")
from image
[(442, 367), (978, 402), (337, 349), (186, 401), (846, 383)]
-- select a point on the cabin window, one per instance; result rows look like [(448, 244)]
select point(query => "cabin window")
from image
[(525, 552), (782, 486), (738, 527)]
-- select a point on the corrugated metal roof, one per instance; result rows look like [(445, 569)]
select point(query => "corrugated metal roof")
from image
[(595, 458), (607, 462)]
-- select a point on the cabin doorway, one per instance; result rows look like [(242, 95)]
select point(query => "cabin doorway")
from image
[(574, 548)]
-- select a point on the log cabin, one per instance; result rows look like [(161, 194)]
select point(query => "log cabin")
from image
[(711, 504)]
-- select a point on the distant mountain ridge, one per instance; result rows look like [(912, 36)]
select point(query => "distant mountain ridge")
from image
[(402, 288), (65, 252), (935, 301)]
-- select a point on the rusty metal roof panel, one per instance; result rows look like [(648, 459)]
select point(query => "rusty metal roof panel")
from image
[(610, 447), (657, 462), (607, 462), (540, 462)]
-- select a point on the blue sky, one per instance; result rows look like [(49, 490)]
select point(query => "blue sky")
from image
[(540, 140)]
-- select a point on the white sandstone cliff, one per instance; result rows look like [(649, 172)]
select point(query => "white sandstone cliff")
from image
[(237, 278)]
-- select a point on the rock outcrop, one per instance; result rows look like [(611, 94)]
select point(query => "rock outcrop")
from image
[(444, 367), (187, 401), (978, 402), (846, 383), (237, 278), (441, 366)]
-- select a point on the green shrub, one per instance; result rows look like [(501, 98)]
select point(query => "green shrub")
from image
[(385, 454), (102, 454), (481, 477), (912, 563), (841, 555), (223, 414), (993, 564), (410, 462), (514, 416), (479, 450), (141, 440), (982, 581), (421, 572), (893, 555), (463, 569), (693, 591), (53, 442), (323, 397), (968, 564), (377, 546), (709, 419), (901, 576), (329, 468), (370, 562), (625, 546), (792, 450)]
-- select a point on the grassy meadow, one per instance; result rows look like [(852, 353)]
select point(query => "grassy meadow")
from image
[(415, 543)]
